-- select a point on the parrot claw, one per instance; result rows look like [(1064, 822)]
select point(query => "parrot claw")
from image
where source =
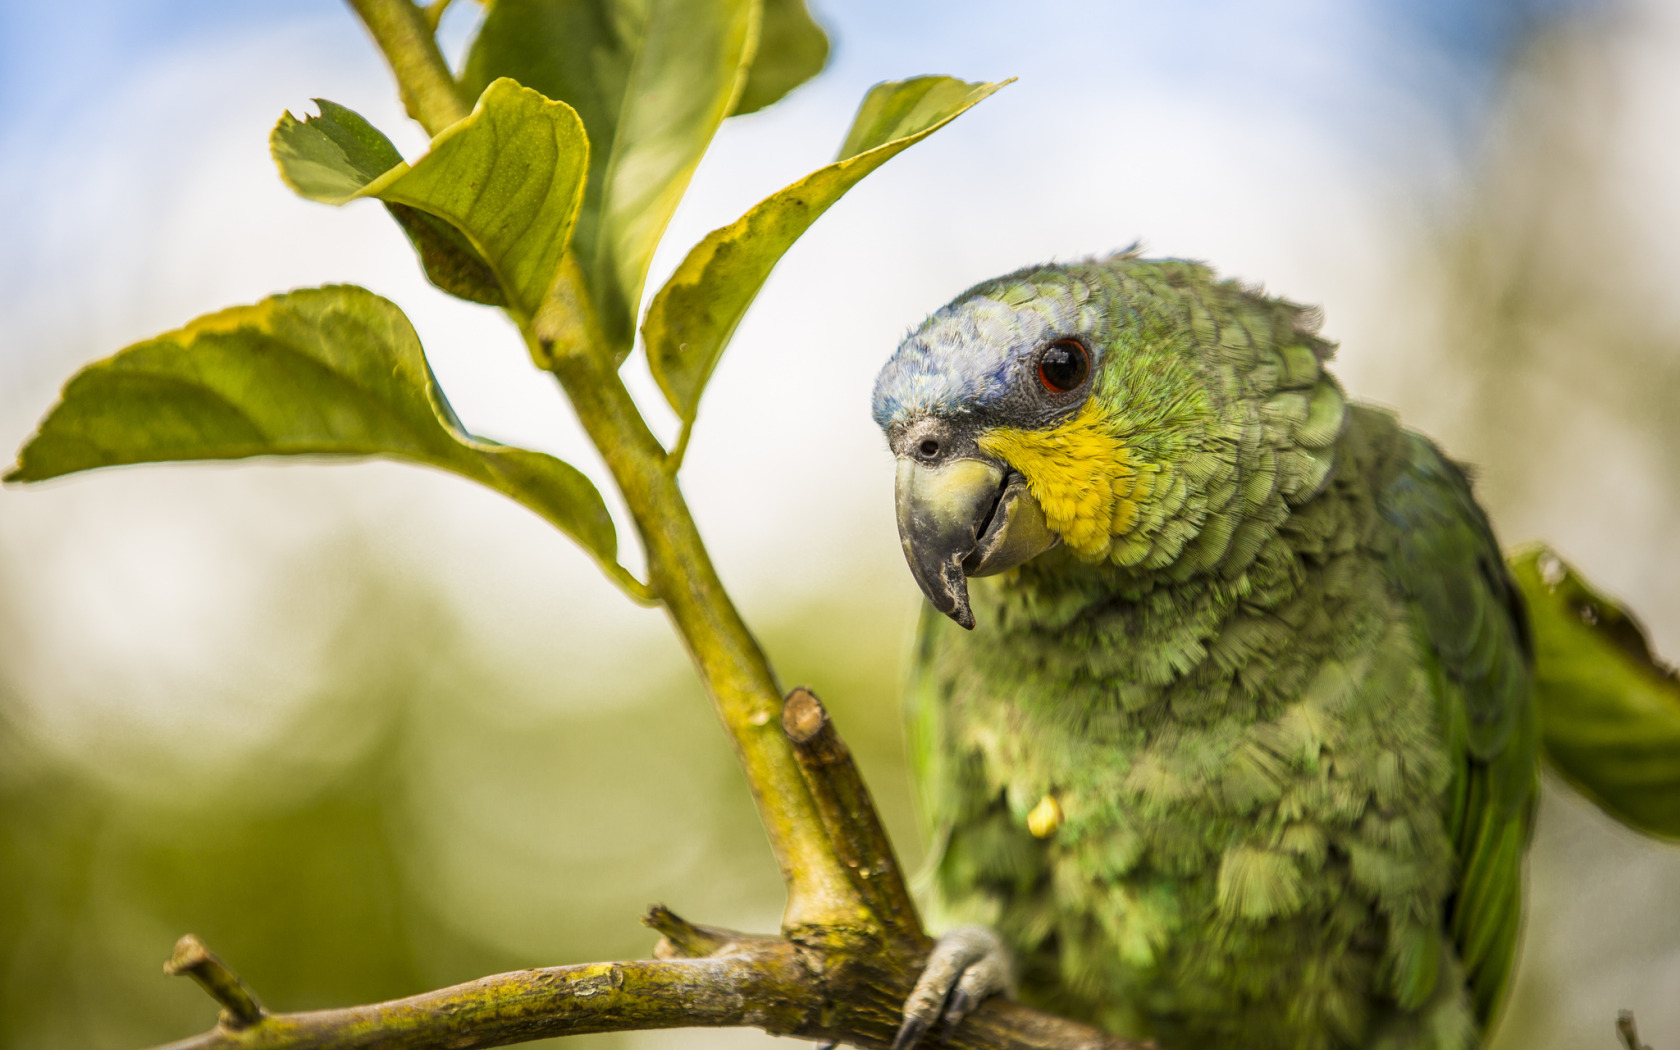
[(910, 1033), (966, 965), (959, 1006)]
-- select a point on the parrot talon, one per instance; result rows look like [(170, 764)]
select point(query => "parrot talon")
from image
[(966, 965), (959, 1006), (910, 1033)]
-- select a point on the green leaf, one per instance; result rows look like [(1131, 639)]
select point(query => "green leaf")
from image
[(693, 317), (1609, 709), (792, 48), (331, 157), (652, 80), (334, 371), (900, 109), (448, 257), (508, 179)]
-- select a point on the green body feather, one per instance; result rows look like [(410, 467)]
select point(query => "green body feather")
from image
[(1286, 717)]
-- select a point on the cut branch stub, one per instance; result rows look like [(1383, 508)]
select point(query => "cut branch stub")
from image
[(240, 1008), (683, 939), (849, 817), (1628, 1031)]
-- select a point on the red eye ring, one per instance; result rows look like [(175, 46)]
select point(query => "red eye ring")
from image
[(1063, 365)]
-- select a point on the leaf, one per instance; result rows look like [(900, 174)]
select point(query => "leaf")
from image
[(331, 157), (333, 371), (792, 48), (652, 80), (448, 257), (1609, 709), (509, 178), (691, 320)]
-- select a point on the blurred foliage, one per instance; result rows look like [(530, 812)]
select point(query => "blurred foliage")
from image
[(433, 811), (1556, 307), (1558, 368)]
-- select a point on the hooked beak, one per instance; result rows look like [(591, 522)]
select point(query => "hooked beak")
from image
[(962, 518)]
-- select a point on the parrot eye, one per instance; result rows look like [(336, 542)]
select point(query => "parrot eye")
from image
[(1063, 365)]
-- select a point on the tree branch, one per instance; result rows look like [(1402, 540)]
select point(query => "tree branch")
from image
[(845, 983), (763, 985), (763, 982)]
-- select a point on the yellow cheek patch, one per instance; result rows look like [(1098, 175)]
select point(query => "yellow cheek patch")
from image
[(1083, 476)]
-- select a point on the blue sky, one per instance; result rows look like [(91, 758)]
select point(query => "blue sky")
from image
[(57, 58)]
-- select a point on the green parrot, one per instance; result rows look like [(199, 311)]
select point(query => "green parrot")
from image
[(1240, 746)]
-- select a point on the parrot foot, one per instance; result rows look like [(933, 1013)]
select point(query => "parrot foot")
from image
[(966, 965)]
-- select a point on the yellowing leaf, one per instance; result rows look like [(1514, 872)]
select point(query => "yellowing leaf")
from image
[(691, 320), (334, 371)]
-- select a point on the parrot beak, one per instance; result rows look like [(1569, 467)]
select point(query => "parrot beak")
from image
[(961, 518)]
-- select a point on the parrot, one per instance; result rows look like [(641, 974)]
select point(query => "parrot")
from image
[(1221, 707)]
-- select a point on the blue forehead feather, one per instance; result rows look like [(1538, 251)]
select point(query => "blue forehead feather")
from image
[(966, 356)]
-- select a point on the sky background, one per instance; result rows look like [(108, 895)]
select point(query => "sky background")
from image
[(206, 671)]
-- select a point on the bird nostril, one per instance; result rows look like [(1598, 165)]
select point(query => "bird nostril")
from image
[(929, 448)]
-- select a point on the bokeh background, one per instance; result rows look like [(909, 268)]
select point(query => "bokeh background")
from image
[(369, 730)]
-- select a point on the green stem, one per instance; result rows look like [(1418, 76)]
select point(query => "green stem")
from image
[(566, 338), (743, 690), (429, 92), (434, 13), (674, 459)]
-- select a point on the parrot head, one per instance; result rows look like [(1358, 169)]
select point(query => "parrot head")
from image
[(1133, 412)]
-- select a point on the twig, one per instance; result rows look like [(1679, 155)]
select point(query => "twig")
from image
[(1629, 1031), (767, 989), (240, 1008), (849, 817), (683, 939)]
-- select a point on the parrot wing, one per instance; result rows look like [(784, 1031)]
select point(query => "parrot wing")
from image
[(1470, 617)]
